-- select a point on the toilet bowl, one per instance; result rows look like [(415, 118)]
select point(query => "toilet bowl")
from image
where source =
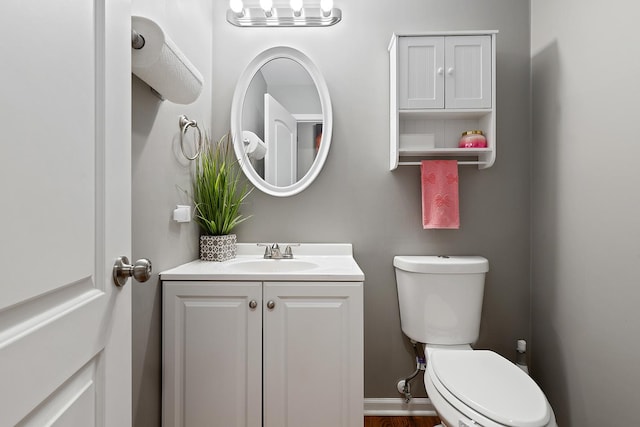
[(440, 300), (481, 388)]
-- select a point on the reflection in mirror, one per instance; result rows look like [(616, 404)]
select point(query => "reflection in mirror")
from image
[(281, 121), (282, 110)]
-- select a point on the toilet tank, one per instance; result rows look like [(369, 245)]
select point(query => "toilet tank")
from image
[(440, 298)]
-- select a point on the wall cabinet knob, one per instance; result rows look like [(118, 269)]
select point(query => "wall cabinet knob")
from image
[(271, 304), (440, 71), (450, 71), (253, 304)]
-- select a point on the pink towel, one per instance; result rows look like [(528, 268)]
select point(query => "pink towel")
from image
[(440, 194)]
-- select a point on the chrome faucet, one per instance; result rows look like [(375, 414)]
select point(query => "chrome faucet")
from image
[(272, 251)]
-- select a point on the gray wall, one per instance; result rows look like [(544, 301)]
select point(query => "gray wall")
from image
[(356, 198), (159, 173), (585, 209)]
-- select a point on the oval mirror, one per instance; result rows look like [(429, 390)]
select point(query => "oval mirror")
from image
[(281, 121)]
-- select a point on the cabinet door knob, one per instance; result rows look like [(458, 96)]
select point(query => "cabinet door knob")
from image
[(271, 304), (440, 71), (253, 304), (450, 71)]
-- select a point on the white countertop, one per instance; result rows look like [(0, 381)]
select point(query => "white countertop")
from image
[(331, 262)]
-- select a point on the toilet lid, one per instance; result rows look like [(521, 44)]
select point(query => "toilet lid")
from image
[(492, 386)]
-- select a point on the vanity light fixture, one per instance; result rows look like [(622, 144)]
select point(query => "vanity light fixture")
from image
[(266, 15)]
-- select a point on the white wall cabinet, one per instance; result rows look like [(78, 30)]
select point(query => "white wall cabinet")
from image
[(267, 354), (441, 84)]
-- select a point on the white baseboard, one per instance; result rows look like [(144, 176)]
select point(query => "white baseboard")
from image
[(421, 407)]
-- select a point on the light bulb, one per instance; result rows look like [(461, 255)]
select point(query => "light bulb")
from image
[(266, 5), (236, 6), (296, 5), (326, 6)]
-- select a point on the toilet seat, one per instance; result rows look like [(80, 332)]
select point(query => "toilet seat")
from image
[(487, 388)]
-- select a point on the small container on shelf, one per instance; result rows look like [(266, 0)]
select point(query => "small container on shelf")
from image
[(472, 139)]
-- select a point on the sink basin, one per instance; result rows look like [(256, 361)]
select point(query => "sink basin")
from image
[(272, 266)]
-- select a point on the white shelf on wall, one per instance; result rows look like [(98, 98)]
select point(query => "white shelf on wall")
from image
[(444, 152), (427, 113), (443, 113)]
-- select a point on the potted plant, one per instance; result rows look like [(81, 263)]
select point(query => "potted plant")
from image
[(218, 193)]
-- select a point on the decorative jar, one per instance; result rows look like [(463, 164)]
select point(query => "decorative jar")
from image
[(472, 139)]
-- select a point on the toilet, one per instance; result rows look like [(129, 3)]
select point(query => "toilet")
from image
[(440, 302)]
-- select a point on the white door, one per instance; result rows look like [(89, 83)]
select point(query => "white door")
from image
[(468, 72), (65, 329), (313, 354), (281, 134), (421, 63)]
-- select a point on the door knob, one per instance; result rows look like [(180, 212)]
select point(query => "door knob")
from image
[(271, 304), (253, 304), (122, 270)]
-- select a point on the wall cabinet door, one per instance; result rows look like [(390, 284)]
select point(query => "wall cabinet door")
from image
[(444, 72), (212, 354), (468, 72), (313, 354), (421, 67)]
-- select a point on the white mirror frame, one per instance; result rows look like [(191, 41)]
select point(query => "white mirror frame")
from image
[(236, 120)]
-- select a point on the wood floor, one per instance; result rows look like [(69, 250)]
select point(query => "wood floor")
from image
[(401, 421)]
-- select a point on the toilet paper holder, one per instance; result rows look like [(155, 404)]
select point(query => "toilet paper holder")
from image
[(185, 124)]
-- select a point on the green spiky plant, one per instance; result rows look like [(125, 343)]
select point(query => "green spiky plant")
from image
[(218, 188)]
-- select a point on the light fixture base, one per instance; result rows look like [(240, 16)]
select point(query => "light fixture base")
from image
[(284, 17)]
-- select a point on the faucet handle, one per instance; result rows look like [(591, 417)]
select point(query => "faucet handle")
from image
[(267, 249), (288, 253)]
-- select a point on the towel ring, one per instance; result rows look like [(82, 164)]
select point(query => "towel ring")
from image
[(185, 124)]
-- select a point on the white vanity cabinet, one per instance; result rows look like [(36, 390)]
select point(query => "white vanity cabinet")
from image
[(262, 353), (441, 84)]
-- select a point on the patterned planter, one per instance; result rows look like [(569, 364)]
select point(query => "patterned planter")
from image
[(218, 248)]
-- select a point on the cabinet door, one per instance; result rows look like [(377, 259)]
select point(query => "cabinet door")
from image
[(313, 354), (468, 72), (421, 72), (212, 348)]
